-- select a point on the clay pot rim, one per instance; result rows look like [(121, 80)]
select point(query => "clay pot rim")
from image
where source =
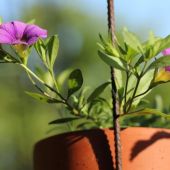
[(144, 129)]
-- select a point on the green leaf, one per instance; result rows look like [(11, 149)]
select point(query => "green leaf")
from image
[(131, 40), (113, 61), (2, 54), (1, 20), (108, 47), (96, 93), (40, 72), (158, 102), (140, 60), (143, 103), (75, 82), (119, 78), (148, 111), (61, 78), (142, 87), (41, 49), (151, 41), (42, 98), (159, 46), (81, 101), (154, 84), (102, 40), (63, 120), (87, 125), (53, 46), (160, 62), (145, 82), (130, 53), (32, 21), (5, 57), (151, 38)]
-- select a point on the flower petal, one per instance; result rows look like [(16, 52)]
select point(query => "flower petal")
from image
[(8, 27), (19, 42), (5, 37), (167, 68), (32, 40), (19, 28), (35, 31), (166, 51), (162, 75), (17, 32)]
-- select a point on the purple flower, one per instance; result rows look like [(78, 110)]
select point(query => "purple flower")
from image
[(16, 32), (166, 52)]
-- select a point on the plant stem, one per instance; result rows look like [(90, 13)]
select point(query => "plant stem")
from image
[(5, 62), (53, 77), (64, 101), (115, 102), (126, 87), (142, 93), (39, 88), (41, 81), (136, 87), (134, 93)]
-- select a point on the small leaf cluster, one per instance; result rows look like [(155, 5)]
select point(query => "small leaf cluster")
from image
[(86, 108), (136, 65)]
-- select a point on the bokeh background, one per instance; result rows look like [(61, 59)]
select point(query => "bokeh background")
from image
[(24, 121)]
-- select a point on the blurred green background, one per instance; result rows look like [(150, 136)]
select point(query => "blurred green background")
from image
[(24, 121)]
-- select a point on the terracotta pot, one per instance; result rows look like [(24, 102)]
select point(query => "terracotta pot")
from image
[(142, 149)]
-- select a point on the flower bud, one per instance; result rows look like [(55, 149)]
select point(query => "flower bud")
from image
[(162, 75)]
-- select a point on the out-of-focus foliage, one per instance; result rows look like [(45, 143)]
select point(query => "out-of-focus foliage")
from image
[(78, 34), (142, 68), (24, 121), (150, 120)]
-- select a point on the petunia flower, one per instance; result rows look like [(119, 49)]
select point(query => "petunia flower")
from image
[(18, 33), (163, 74), (166, 52)]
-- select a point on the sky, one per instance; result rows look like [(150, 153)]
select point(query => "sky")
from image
[(152, 14)]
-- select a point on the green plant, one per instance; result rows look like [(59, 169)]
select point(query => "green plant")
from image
[(84, 109), (138, 69)]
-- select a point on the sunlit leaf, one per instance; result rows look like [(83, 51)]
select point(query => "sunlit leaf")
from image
[(87, 125), (113, 61), (2, 54), (118, 78), (75, 81), (97, 92), (41, 49), (1, 20), (132, 40), (5, 57), (61, 78), (142, 87), (130, 53), (160, 62), (159, 46), (53, 46), (32, 21), (42, 98), (148, 111), (63, 120)]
